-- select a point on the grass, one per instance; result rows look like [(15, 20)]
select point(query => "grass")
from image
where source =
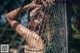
[(75, 47), (76, 36)]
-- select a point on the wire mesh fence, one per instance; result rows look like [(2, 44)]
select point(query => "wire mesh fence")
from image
[(52, 27)]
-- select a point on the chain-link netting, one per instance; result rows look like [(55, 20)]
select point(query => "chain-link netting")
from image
[(51, 29)]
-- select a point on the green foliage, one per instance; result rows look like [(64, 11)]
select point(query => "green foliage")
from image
[(74, 12), (73, 51)]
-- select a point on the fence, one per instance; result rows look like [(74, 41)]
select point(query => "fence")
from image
[(53, 30)]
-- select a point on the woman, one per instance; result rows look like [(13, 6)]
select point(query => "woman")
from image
[(33, 42)]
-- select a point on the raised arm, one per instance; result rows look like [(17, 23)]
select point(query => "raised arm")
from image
[(31, 37), (13, 14)]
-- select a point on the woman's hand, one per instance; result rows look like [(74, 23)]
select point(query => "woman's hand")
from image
[(33, 4)]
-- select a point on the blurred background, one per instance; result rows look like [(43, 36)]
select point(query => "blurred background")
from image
[(73, 16), (7, 34)]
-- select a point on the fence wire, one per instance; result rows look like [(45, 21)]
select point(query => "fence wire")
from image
[(52, 28)]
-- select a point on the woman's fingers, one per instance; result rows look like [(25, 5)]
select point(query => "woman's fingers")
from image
[(31, 5), (33, 12), (38, 6), (27, 6)]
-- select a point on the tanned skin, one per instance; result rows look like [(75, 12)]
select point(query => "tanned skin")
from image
[(32, 39)]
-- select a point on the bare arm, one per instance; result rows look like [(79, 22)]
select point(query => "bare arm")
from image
[(31, 37), (18, 11)]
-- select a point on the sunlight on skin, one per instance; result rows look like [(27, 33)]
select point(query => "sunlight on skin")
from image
[(31, 37)]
